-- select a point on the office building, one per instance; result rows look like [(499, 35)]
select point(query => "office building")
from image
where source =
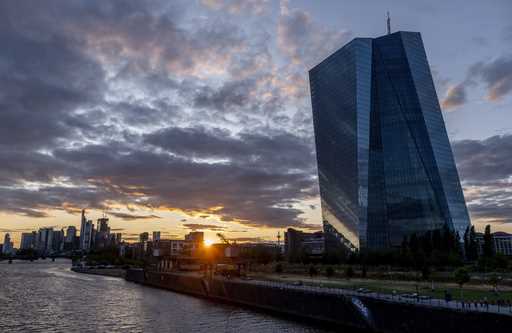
[(103, 238), (71, 233), (86, 233), (58, 240), (298, 244), (385, 165), (8, 246), (168, 247), (501, 243), (156, 236), (44, 241), (28, 240)]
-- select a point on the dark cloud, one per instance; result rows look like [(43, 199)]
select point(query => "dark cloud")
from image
[(282, 150), (45, 77), (248, 239), (485, 169), (484, 160), (304, 40), (455, 97), (232, 94), (256, 189), (138, 104), (196, 227), (131, 217), (496, 74)]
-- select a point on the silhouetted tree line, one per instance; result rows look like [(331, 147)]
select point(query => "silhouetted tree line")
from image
[(419, 251), (471, 243)]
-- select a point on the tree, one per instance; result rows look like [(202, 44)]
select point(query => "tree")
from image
[(494, 280), (488, 242), (349, 272), (329, 272), (413, 244), (466, 241), (363, 271), (472, 253), (437, 239), (312, 271), (278, 268), (462, 277), (425, 272)]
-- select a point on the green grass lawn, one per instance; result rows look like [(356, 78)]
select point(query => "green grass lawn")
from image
[(470, 292)]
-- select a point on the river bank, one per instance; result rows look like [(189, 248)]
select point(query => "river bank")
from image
[(364, 311), (112, 272), (361, 311), (45, 296)]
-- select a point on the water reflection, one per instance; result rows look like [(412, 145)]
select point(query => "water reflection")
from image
[(47, 297)]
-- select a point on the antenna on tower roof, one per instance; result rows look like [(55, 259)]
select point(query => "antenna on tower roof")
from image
[(389, 24)]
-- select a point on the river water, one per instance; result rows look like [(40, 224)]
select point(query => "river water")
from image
[(45, 296)]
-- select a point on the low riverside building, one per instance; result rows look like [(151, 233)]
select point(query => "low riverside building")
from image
[(164, 252), (168, 247), (501, 243), (298, 243)]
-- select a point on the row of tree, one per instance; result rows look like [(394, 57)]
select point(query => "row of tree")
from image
[(437, 248)]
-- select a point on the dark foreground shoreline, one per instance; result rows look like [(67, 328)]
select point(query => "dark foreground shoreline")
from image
[(112, 272), (353, 313)]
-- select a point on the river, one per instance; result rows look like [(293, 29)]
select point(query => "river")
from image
[(45, 296)]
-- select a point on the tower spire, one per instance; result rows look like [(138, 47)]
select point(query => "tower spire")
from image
[(389, 24)]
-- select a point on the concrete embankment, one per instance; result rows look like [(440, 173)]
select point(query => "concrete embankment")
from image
[(356, 311), (112, 272)]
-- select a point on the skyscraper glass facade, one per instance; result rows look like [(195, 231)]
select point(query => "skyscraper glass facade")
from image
[(385, 164)]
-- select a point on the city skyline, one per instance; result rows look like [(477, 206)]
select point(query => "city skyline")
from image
[(196, 116)]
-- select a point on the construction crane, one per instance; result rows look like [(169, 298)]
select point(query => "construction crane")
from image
[(223, 238)]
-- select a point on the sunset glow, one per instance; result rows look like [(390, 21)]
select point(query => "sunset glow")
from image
[(196, 116)]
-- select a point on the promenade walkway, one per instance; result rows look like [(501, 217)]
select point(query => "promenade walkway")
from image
[(420, 301)]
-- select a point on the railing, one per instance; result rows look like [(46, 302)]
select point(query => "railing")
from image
[(432, 302)]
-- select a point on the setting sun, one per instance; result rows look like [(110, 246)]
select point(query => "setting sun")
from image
[(208, 242)]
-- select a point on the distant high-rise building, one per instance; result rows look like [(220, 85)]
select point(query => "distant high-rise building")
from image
[(86, 233), (44, 241), (8, 246), (385, 164), (156, 236), (102, 225), (58, 240), (28, 240), (71, 233), (103, 238), (71, 239)]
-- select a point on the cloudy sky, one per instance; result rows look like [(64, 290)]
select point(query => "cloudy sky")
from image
[(195, 115)]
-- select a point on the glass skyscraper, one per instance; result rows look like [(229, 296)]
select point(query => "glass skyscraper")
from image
[(385, 164)]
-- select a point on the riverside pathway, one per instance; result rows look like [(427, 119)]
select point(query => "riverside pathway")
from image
[(428, 302)]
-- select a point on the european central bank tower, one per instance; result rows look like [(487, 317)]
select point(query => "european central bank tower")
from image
[(385, 165)]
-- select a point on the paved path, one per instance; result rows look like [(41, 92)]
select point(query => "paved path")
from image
[(431, 302)]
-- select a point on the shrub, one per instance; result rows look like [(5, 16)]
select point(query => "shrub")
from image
[(329, 272)]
